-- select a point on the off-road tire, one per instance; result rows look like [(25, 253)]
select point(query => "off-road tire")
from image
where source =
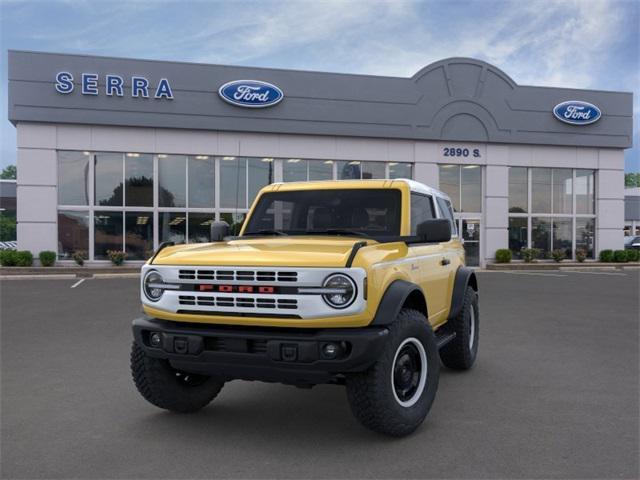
[(371, 393), (457, 354), (163, 386)]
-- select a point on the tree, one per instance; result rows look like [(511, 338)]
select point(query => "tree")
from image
[(632, 180), (9, 172)]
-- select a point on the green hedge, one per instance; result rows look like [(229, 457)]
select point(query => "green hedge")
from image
[(633, 255), (47, 258), (620, 256), (503, 255), (8, 258), (606, 256)]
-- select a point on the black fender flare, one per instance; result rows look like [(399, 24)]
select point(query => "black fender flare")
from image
[(465, 277), (393, 300)]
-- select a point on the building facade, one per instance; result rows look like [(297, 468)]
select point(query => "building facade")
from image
[(122, 154)]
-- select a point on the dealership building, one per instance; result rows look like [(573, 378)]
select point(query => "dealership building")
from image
[(123, 154)]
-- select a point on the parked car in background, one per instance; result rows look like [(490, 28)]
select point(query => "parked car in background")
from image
[(632, 242)]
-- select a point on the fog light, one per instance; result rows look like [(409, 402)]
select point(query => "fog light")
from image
[(330, 350), (155, 339)]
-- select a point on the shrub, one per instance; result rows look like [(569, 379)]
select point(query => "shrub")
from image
[(529, 254), (633, 255), (558, 255), (80, 256), (581, 254), (620, 256), (24, 258), (47, 258), (8, 258), (503, 255), (606, 256), (117, 257)]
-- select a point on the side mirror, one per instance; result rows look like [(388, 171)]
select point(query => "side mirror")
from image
[(219, 230), (434, 231)]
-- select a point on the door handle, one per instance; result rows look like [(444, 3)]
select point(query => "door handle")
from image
[(444, 262)]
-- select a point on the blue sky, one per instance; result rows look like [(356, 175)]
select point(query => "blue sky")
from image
[(566, 43)]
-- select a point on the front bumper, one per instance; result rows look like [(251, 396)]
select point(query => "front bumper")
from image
[(283, 355)]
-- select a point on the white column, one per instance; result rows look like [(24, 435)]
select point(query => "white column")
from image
[(37, 188), (610, 200)]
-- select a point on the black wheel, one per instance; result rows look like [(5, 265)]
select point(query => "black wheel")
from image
[(165, 387), (460, 353), (395, 395)]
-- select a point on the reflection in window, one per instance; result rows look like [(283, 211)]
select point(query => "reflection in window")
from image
[(294, 170), (541, 190), (450, 183), (471, 191), (447, 212), (373, 170), (260, 175), (200, 227), (73, 233), (233, 182), (108, 179), (320, 169), (585, 235), (349, 170), (108, 233), (201, 181), (138, 172), (585, 191), (172, 181), (517, 235), (562, 190), (541, 235), (421, 210), (562, 235), (73, 178), (139, 235), (235, 221), (172, 227), (400, 170), (518, 190)]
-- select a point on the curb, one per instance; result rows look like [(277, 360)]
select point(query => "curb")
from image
[(561, 266)]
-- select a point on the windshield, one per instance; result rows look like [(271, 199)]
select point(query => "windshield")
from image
[(360, 212)]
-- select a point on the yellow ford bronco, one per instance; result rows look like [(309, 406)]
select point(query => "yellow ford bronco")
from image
[(357, 283)]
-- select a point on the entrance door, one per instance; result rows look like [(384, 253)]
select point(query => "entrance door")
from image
[(470, 230)]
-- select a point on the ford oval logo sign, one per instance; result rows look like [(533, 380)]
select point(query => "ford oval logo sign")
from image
[(576, 112), (250, 93)]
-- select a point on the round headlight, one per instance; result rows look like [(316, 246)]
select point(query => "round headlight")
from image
[(340, 291), (152, 286)]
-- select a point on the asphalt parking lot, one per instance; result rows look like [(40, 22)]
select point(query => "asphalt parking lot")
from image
[(554, 394)]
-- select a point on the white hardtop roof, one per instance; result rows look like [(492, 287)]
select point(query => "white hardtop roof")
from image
[(422, 188)]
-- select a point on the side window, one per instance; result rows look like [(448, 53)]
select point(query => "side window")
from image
[(445, 208), (421, 210)]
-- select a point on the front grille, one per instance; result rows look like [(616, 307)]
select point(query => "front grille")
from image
[(240, 302), (226, 275), (238, 345)]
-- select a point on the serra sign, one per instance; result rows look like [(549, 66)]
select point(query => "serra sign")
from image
[(250, 93), (576, 112), (113, 85)]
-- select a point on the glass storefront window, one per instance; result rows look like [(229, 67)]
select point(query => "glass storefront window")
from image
[(107, 232), (138, 173), (73, 178), (517, 235), (585, 235), (233, 182), (108, 179), (200, 227), (450, 183), (139, 235), (320, 169), (172, 227), (400, 170), (294, 170), (562, 190), (201, 181), (235, 221), (471, 188), (541, 235), (518, 190), (373, 170), (73, 233), (562, 235), (172, 181), (585, 192), (350, 170), (260, 175), (541, 190)]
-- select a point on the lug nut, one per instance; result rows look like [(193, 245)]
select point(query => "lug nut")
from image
[(155, 339)]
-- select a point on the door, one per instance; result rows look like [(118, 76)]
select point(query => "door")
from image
[(470, 232)]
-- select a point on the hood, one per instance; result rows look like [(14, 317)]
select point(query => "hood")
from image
[(312, 251)]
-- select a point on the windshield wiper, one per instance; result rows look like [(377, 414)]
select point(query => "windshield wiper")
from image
[(278, 233), (338, 231)]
